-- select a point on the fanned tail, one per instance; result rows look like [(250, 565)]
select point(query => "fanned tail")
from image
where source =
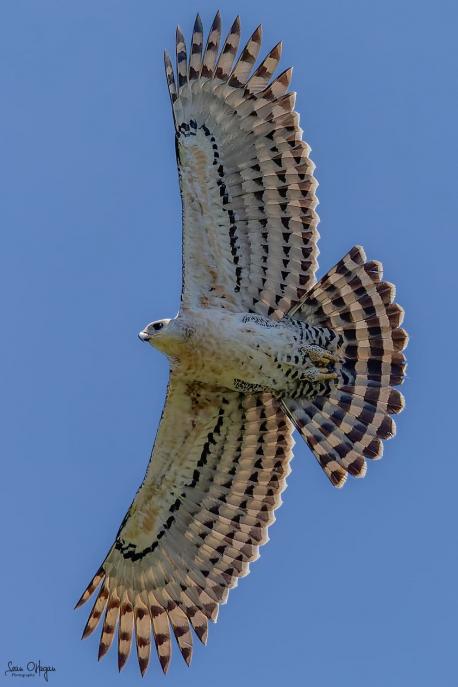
[(349, 424)]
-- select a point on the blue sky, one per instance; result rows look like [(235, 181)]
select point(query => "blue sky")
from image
[(356, 587)]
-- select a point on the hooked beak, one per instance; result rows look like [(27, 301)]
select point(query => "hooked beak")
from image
[(144, 336)]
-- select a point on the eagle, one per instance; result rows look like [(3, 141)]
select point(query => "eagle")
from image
[(259, 349)]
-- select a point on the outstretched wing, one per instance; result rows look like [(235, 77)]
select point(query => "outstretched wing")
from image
[(246, 180), (216, 473)]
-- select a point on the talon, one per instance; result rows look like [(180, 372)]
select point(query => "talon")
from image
[(320, 355), (318, 374), (329, 375), (325, 373), (326, 358)]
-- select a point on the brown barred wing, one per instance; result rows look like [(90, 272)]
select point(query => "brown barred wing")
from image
[(246, 180), (217, 470), (350, 422)]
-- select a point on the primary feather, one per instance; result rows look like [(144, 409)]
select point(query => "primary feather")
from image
[(258, 348)]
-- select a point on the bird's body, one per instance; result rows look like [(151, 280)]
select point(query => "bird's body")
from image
[(259, 348), (243, 351)]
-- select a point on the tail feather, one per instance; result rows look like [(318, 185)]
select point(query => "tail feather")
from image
[(376, 420), (349, 424), (373, 394)]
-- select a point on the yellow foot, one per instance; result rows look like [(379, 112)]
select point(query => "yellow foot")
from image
[(320, 356), (318, 374)]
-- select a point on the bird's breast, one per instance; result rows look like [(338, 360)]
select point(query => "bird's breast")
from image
[(225, 349)]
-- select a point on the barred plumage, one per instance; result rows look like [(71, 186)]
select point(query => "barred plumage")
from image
[(347, 426), (212, 521), (258, 348), (239, 142)]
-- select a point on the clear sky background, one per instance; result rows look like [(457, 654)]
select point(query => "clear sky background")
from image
[(356, 587)]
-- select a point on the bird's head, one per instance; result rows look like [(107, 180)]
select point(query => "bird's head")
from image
[(154, 331), (165, 335)]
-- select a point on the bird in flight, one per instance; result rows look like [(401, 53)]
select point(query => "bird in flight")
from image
[(259, 348)]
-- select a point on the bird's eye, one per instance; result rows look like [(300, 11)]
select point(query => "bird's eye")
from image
[(158, 325)]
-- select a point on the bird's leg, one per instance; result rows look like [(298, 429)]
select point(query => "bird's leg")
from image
[(319, 356), (318, 374), (320, 359)]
